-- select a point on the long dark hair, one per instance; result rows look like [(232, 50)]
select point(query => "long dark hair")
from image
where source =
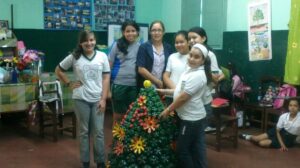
[(201, 32), (83, 36), (122, 43), (207, 70)]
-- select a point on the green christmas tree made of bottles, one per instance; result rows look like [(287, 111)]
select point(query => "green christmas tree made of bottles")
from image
[(142, 139)]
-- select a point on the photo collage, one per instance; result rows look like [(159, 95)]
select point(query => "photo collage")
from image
[(67, 14), (112, 11)]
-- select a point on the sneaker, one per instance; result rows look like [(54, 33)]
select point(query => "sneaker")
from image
[(209, 129), (222, 128), (245, 136)]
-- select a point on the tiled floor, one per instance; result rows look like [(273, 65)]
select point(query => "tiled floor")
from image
[(22, 148)]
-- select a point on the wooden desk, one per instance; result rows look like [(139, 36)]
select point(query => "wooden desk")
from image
[(16, 97)]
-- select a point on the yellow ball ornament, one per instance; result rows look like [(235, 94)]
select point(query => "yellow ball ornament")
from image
[(147, 83)]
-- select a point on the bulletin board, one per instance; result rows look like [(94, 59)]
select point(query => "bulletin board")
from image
[(67, 14), (112, 11)]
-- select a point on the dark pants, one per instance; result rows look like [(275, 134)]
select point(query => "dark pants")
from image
[(191, 149), (209, 115)]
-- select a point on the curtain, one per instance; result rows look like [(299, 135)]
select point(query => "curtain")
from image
[(292, 65)]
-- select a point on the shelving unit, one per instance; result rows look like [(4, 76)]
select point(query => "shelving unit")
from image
[(8, 48)]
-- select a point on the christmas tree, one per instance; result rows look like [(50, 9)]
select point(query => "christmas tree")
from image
[(142, 139)]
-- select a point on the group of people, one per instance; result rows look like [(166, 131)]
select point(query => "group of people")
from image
[(189, 74)]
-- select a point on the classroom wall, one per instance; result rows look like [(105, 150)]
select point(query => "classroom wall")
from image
[(57, 44), (237, 14), (235, 42), (28, 14)]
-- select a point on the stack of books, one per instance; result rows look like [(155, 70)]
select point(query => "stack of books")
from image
[(218, 102)]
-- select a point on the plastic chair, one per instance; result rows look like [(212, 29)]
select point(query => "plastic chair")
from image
[(51, 106)]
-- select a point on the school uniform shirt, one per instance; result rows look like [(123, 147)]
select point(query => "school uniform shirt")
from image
[(124, 66), (293, 126), (89, 72), (176, 65), (214, 63), (192, 82)]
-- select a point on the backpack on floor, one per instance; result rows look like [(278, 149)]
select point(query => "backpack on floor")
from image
[(285, 91)]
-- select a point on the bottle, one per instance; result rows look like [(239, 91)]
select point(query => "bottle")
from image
[(259, 95), (14, 76)]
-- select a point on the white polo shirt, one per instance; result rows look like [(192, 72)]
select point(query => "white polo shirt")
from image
[(292, 126), (89, 73), (192, 82), (176, 65)]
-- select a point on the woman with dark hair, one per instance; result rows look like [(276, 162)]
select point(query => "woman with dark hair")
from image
[(153, 56), (122, 59), (90, 88)]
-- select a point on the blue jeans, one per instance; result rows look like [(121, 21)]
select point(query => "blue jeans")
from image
[(91, 122), (191, 148)]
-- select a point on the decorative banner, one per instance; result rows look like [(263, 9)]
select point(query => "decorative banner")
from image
[(292, 62), (112, 11), (114, 33), (259, 30)]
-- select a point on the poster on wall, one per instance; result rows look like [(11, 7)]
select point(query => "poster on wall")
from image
[(114, 33), (67, 14), (259, 30), (112, 11)]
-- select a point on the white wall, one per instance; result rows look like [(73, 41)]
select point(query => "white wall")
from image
[(237, 14)]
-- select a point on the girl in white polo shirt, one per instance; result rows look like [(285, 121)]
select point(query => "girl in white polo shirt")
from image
[(285, 133), (188, 104), (92, 73)]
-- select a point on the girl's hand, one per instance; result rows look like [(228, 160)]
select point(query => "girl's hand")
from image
[(161, 91), (159, 84), (75, 84), (164, 114), (102, 105), (283, 149)]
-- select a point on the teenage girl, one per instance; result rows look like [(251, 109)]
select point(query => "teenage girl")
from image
[(122, 58), (188, 104), (198, 35), (177, 62), (285, 133), (90, 88)]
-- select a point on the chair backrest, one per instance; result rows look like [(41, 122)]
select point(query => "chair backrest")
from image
[(51, 91)]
